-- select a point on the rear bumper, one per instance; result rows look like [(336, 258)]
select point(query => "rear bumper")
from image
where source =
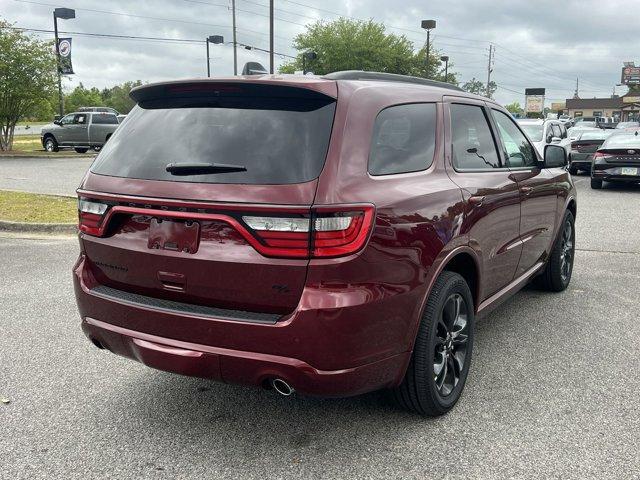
[(614, 173), (232, 366), (324, 351)]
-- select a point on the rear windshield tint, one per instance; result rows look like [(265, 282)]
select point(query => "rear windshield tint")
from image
[(277, 142)]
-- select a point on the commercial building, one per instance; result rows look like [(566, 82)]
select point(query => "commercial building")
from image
[(624, 108)]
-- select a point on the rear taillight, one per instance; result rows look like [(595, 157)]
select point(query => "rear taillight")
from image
[(90, 215), (320, 232), (328, 232), (601, 155)]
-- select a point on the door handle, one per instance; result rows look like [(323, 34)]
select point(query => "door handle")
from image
[(526, 190), (476, 200)]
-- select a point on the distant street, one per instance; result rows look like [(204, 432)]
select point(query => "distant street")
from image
[(55, 176), (553, 389)]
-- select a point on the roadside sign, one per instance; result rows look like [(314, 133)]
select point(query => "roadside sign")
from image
[(630, 75), (534, 100)]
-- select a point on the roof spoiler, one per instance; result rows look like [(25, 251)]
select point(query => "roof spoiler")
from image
[(388, 77)]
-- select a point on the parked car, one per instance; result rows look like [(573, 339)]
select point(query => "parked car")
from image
[(79, 130), (316, 234), (617, 160), (585, 119), (545, 132), (625, 125), (574, 132), (584, 146), (606, 122)]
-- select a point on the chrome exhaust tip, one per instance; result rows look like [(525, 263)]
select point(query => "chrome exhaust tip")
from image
[(282, 387)]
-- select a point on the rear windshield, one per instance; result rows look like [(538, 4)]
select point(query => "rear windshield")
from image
[(276, 143), (622, 141), (596, 135)]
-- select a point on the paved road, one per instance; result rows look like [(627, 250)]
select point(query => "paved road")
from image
[(56, 176), (553, 391)]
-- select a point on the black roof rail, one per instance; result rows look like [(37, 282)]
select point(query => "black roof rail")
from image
[(388, 77)]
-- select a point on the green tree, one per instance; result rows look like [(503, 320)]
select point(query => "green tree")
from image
[(118, 96), (480, 88), (514, 108), (361, 45), (27, 78), (82, 97)]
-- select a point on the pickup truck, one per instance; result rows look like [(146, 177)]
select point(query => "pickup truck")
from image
[(80, 131)]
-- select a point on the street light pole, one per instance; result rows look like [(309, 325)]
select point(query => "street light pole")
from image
[(216, 40), (208, 65), (428, 25), (65, 14), (445, 59), (307, 56)]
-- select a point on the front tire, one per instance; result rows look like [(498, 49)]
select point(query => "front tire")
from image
[(596, 184), (81, 150), (441, 357), (557, 273), (50, 144)]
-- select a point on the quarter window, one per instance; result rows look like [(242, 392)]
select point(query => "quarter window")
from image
[(473, 147), (518, 151), (404, 139)]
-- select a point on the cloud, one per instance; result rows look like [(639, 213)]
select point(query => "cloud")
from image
[(540, 43)]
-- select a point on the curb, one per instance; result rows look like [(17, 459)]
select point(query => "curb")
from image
[(31, 155), (52, 228)]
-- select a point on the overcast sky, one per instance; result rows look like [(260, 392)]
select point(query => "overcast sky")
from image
[(541, 43)]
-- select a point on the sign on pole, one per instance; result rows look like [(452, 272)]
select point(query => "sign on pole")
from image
[(630, 74), (64, 47), (534, 100)]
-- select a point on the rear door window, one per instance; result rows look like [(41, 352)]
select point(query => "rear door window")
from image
[(473, 146), (104, 119), (278, 142), (404, 139)]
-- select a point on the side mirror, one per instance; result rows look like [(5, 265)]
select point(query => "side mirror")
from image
[(555, 156), (58, 122)]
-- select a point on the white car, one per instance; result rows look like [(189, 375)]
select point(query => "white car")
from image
[(545, 132)]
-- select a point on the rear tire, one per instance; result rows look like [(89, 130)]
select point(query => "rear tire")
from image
[(50, 144), (441, 357), (557, 273), (573, 170), (81, 150), (596, 184)]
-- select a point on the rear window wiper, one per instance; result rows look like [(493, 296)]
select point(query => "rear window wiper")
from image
[(195, 168)]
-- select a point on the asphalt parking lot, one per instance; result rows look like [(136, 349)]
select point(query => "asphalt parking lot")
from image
[(51, 175), (553, 390)]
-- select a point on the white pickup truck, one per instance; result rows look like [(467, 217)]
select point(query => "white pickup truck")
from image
[(80, 131)]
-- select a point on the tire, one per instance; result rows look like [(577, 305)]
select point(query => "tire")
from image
[(596, 184), (436, 345), (557, 273), (50, 144), (573, 170), (96, 148), (81, 150)]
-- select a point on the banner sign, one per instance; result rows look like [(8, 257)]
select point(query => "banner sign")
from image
[(64, 48)]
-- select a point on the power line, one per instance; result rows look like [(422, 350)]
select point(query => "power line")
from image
[(136, 37)]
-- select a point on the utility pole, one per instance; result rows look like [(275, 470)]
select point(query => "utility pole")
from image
[(489, 70), (271, 36), (235, 43), (575, 94)]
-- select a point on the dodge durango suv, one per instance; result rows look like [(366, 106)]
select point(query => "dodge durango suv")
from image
[(327, 235)]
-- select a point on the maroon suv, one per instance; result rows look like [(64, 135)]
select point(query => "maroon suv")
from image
[(333, 235)]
